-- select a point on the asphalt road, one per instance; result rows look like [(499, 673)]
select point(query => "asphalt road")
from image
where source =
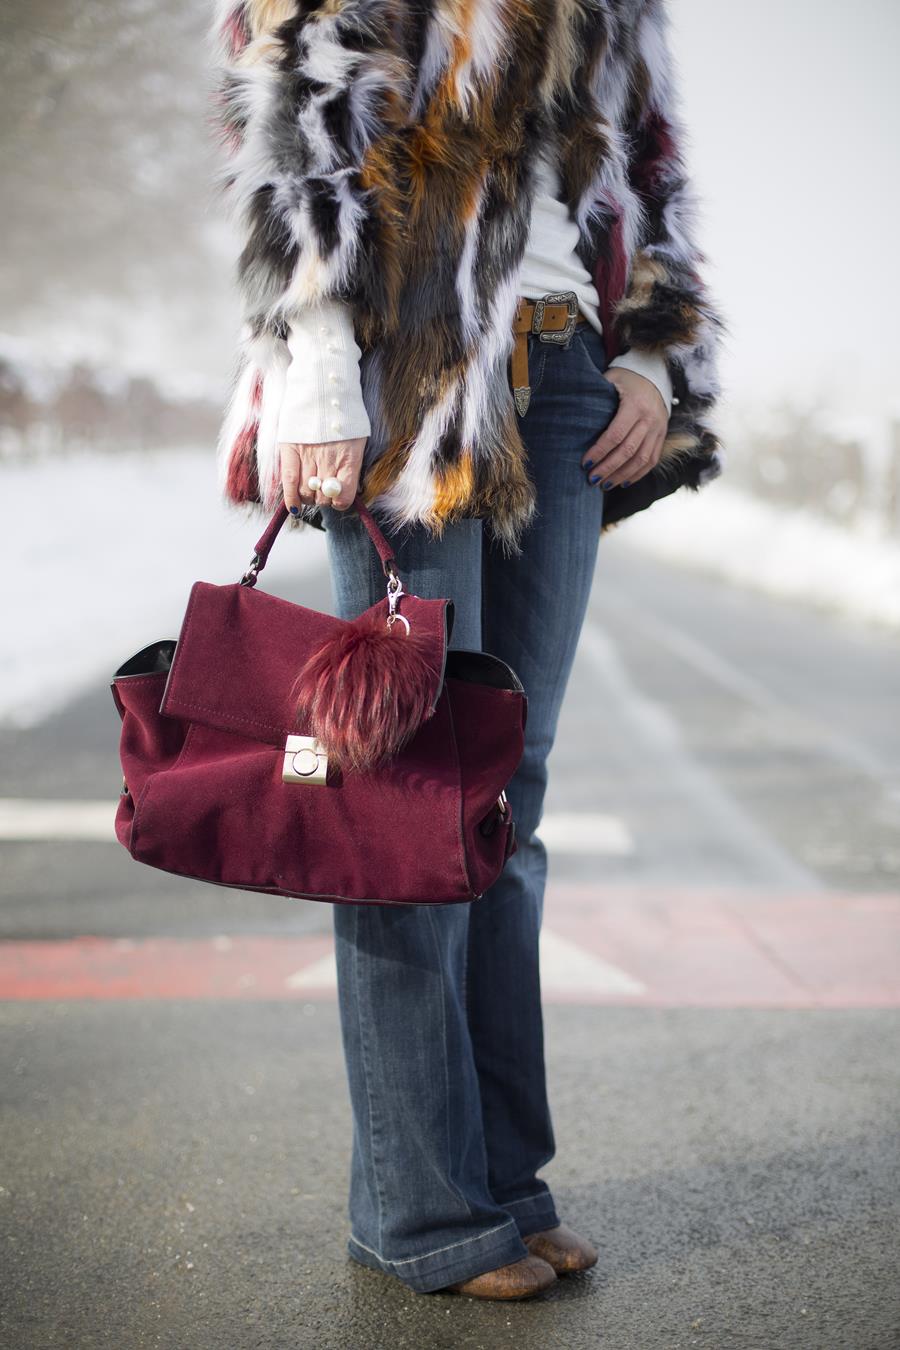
[(724, 804)]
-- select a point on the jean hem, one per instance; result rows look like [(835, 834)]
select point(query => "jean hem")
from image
[(460, 1261), (533, 1213)]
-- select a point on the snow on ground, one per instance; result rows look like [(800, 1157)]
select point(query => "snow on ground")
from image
[(99, 553), (791, 553)]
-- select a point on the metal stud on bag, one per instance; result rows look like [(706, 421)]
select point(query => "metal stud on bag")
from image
[(304, 761)]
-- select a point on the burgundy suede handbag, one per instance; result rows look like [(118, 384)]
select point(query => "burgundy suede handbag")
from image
[(273, 748)]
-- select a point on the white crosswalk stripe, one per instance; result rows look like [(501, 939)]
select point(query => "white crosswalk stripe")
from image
[(566, 969), (569, 970), (322, 974), (586, 833), (24, 818)]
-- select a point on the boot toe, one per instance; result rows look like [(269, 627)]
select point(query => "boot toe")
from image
[(563, 1249), (521, 1279)]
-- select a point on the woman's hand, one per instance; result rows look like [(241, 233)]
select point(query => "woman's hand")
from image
[(327, 459), (630, 446)]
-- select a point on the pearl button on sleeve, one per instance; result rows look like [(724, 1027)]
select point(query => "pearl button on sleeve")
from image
[(322, 398)]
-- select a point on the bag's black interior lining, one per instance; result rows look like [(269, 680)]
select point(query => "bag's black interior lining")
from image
[(149, 660), (482, 668)]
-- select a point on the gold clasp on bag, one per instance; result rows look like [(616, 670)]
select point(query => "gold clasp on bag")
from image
[(304, 762)]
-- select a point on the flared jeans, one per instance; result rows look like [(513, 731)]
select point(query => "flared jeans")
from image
[(440, 1005)]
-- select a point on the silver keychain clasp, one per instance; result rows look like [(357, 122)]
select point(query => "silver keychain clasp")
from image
[(394, 592)]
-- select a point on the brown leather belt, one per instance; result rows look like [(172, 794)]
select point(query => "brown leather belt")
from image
[(553, 318)]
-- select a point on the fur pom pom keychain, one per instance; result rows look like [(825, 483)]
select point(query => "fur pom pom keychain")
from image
[(367, 690)]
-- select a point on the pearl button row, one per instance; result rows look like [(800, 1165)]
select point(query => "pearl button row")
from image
[(333, 378)]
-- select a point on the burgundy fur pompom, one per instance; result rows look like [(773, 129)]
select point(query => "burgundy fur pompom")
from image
[(366, 692)]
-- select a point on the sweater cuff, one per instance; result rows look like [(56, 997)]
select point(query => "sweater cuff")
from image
[(322, 398), (652, 365)]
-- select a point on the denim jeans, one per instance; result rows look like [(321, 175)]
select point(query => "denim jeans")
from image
[(440, 1005)]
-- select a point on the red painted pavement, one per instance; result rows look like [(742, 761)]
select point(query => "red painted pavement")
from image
[(740, 948), (712, 949)]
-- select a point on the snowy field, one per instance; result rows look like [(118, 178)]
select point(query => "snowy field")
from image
[(791, 553), (99, 554)]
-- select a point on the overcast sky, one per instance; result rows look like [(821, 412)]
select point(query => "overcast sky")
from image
[(795, 123)]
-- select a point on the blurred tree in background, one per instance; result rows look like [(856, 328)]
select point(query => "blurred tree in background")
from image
[(114, 247)]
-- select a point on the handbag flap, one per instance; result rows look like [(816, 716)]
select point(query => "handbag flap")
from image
[(240, 650)]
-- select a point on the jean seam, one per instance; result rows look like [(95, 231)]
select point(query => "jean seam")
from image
[(525, 1200), (535, 384), (438, 1251), (464, 992), (585, 350), (443, 985), (366, 1075)]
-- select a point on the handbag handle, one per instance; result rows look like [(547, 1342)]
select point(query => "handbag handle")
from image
[(264, 543)]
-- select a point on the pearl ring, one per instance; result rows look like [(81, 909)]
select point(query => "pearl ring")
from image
[(314, 482), (332, 487)]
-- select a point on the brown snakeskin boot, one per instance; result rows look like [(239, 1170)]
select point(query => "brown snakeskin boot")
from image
[(521, 1279), (562, 1248)]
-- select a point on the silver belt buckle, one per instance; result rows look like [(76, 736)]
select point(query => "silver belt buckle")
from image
[(562, 336)]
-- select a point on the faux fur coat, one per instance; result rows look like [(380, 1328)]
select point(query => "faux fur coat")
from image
[(382, 152)]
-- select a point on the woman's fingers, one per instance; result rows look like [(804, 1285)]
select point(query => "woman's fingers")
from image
[(291, 479), (629, 461), (309, 460), (630, 445), (621, 435), (646, 459), (341, 460), (606, 464)]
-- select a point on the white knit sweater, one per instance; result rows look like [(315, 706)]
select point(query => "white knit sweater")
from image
[(323, 400)]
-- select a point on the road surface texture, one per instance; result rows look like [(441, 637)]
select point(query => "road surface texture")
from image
[(722, 991)]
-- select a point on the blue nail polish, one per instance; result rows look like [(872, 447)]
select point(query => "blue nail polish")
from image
[(295, 510), (607, 485), (627, 483), (589, 464), (595, 478)]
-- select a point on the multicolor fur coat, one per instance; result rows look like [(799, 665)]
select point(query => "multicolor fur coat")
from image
[(381, 152)]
